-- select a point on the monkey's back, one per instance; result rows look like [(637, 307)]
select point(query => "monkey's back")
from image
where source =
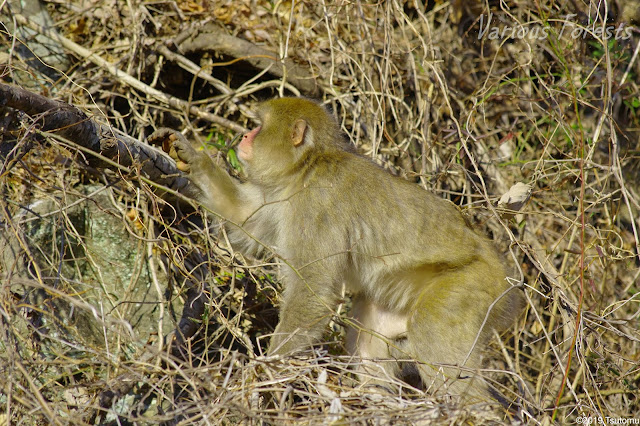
[(382, 208), (392, 231)]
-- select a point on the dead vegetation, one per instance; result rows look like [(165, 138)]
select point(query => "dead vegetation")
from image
[(96, 268)]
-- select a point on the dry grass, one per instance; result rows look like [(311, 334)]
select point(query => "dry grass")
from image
[(417, 90)]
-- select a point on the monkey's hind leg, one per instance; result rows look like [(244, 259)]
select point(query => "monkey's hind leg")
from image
[(445, 332), (375, 333)]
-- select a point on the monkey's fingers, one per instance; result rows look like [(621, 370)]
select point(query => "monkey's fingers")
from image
[(182, 166), (176, 145), (168, 139), (161, 137)]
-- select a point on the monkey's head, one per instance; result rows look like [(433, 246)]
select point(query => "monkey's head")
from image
[(292, 130)]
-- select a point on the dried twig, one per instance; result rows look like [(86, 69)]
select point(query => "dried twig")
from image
[(210, 36), (128, 79)]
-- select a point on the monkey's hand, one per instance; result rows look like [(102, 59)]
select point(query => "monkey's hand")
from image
[(198, 165), (177, 146), (212, 186)]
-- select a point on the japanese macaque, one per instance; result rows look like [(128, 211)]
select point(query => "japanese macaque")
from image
[(426, 288)]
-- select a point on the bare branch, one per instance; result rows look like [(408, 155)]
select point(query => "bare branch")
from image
[(211, 37), (128, 79), (71, 123)]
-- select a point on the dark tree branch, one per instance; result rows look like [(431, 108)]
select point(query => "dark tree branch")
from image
[(72, 124)]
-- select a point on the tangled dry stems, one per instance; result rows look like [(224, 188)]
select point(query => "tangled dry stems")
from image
[(416, 90)]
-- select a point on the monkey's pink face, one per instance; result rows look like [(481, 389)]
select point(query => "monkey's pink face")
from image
[(245, 148)]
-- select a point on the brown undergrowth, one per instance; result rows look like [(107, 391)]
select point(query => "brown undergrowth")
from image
[(465, 99)]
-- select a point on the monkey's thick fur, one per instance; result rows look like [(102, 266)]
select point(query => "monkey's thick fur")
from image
[(423, 281)]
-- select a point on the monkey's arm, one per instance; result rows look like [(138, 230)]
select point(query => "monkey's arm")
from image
[(214, 188), (306, 308)]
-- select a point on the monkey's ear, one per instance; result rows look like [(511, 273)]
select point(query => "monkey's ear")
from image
[(298, 132)]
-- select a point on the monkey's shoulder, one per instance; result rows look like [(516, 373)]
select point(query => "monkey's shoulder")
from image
[(351, 175)]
